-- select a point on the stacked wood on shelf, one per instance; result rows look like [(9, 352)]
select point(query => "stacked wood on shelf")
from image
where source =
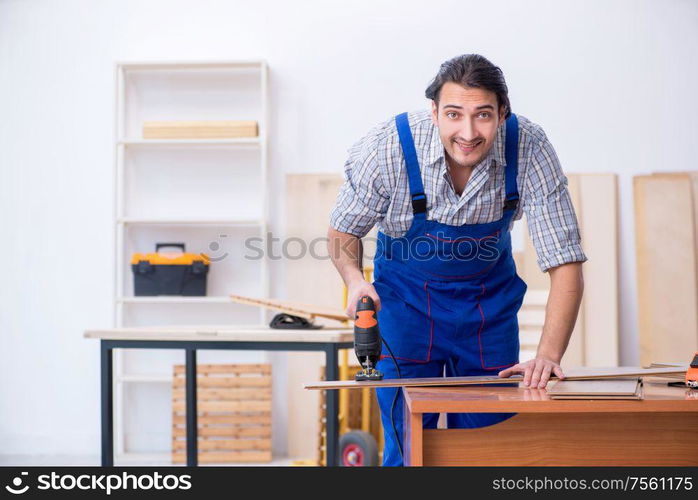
[(595, 339), (220, 129), (666, 213), (234, 413)]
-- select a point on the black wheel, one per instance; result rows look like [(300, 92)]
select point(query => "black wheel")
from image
[(358, 449)]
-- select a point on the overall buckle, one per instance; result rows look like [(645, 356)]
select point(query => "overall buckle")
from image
[(511, 204), (419, 203)]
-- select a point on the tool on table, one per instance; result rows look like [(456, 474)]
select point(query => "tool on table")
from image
[(367, 340), (285, 321)]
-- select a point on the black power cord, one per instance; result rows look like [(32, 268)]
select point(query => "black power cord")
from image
[(392, 406)]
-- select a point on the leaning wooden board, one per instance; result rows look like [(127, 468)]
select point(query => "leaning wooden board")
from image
[(666, 266), (594, 341), (309, 200), (598, 217), (571, 374)]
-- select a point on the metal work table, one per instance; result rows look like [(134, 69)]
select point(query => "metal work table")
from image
[(193, 338)]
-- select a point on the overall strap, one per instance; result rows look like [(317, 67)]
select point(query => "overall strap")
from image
[(511, 153), (419, 199)]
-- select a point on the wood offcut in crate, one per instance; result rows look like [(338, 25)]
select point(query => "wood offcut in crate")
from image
[(234, 413)]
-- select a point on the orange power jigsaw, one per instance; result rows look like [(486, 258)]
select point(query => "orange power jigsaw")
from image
[(367, 339)]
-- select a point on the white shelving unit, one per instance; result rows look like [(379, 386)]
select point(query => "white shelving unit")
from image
[(212, 195)]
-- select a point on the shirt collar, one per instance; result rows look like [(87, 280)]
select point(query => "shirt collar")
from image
[(436, 153)]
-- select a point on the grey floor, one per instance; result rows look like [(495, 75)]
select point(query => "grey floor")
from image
[(68, 460)]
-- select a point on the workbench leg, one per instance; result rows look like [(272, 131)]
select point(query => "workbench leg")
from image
[(107, 395), (413, 436), (192, 438), (332, 406)]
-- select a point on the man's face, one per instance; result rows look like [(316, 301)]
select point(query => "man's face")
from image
[(468, 120)]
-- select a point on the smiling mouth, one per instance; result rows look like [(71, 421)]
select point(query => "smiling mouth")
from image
[(467, 148)]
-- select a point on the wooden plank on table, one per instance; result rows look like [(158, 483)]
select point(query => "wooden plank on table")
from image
[(666, 266), (599, 228), (210, 129), (303, 310), (581, 373), (608, 387)]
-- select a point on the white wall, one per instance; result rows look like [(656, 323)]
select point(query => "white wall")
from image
[(611, 82)]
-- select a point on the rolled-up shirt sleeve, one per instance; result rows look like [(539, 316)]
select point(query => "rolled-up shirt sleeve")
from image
[(552, 222), (362, 200)]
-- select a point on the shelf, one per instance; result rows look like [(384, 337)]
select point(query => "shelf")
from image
[(175, 300), (199, 191), (168, 65), (242, 141), (183, 221)]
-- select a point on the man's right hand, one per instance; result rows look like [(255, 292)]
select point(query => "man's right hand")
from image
[(357, 290)]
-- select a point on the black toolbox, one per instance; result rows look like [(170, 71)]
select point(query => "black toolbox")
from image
[(167, 273)]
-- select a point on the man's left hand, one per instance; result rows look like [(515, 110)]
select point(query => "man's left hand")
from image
[(536, 372)]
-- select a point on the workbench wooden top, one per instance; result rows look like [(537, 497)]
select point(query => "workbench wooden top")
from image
[(222, 333), (658, 397)]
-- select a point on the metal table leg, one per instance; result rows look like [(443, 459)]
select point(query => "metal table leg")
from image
[(192, 438), (107, 395), (332, 405)]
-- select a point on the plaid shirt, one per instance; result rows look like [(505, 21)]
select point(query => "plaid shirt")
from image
[(376, 190)]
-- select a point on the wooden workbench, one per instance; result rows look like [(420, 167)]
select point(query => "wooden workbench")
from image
[(660, 430)]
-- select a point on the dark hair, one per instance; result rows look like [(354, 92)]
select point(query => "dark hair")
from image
[(471, 70)]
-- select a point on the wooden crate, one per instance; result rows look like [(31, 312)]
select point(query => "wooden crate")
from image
[(234, 413), (226, 129)]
